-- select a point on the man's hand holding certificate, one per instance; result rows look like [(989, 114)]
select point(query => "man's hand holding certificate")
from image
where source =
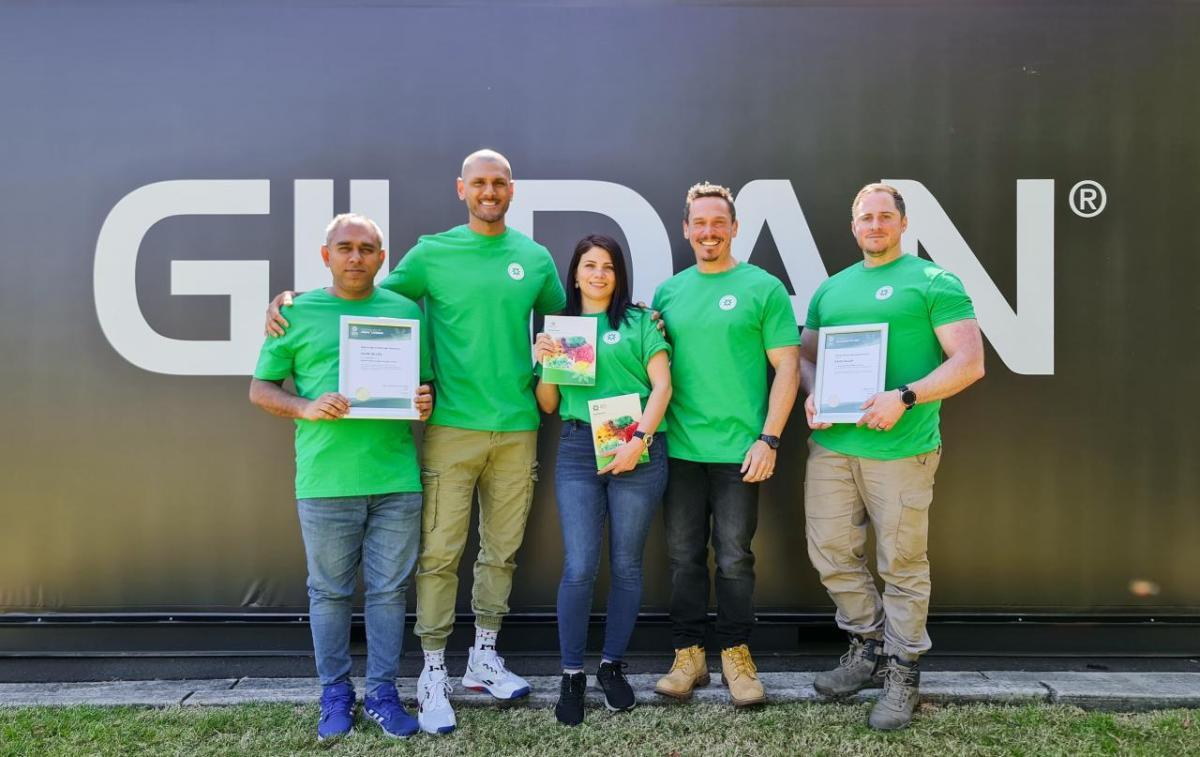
[(851, 366), (380, 366)]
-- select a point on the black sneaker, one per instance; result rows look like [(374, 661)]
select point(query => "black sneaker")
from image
[(618, 694), (569, 710)]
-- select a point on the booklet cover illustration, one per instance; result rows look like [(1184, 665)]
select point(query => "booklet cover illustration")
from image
[(574, 360), (613, 422)]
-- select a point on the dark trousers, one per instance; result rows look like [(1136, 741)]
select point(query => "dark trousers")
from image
[(703, 500)]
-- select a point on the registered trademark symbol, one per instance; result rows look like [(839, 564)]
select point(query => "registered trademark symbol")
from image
[(1088, 199)]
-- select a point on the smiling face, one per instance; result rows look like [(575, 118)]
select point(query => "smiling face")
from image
[(595, 276), (353, 255), (878, 227), (710, 230), (486, 187)]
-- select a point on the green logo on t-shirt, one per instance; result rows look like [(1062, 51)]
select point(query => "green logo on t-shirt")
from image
[(728, 302), (883, 292), (515, 271), (612, 337)]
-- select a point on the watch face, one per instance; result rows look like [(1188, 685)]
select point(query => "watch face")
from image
[(909, 397)]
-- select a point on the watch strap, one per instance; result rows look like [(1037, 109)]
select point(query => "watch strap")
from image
[(771, 441)]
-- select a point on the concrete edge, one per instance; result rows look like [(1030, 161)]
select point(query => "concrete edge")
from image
[(1095, 691)]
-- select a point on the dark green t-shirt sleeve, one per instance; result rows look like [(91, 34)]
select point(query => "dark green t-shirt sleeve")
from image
[(408, 277), (779, 320), (552, 298), (948, 300), (276, 358), (652, 339)]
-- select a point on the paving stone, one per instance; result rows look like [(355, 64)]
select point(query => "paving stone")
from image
[(267, 690), (106, 693), (1026, 676), (1124, 691), (945, 686)]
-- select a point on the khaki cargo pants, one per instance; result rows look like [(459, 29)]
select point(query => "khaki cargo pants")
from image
[(842, 494), (503, 464)]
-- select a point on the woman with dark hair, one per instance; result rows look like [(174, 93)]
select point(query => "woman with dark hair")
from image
[(631, 358)]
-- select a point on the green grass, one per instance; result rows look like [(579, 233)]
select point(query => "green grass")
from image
[(786, 729)]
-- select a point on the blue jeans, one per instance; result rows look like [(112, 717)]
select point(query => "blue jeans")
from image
[(586, 500), (381, 532)]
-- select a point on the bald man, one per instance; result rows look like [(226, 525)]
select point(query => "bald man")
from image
[(480, 282)]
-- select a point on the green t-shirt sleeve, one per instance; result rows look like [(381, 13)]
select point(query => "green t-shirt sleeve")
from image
[(427, 374), (408, 277), (553, 297), (652, 339), (656, 302), (276, 358), (948, 300), (779, 320), (812, 321)]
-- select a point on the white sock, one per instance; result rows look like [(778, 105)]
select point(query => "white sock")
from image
[(572, 671), (435, 659), (485, 638)]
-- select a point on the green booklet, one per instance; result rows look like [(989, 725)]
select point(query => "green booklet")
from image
[(614, 420), (574, 359)]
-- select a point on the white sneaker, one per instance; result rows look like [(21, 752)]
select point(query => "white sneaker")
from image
[(434, 712), (486, 672)]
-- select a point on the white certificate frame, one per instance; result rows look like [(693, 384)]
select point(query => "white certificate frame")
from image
[(832, 409), (381, 405)]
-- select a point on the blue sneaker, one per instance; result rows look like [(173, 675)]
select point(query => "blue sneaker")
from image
[(337, 710), (383, 706)]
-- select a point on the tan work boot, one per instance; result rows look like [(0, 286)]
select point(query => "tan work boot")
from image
[(689, 670), (741, 677)]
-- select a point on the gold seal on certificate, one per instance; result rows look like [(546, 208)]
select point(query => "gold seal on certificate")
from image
[(380, 366), (851, 366)]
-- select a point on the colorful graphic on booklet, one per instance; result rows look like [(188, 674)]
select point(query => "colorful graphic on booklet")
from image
[(574, 359), (613, 422), (573, 363)]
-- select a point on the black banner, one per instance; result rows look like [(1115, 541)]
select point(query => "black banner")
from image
[(165, 168)]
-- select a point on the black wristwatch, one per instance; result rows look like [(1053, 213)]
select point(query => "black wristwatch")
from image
[(772, 441), (647, 439), (907, 396)]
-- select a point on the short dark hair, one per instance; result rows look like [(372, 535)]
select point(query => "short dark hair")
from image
[(704, 189), (618, 307), (877, 187)]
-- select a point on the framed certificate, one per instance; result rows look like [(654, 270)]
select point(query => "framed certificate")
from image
[(380, 366), (851, 365)]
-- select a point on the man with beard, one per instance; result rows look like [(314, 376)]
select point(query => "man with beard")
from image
[(479, 282), (728, 320), (880, 471)]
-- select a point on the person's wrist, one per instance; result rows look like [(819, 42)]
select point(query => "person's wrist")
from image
[(769, 440)]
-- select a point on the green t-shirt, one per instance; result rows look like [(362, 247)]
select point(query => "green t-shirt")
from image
[(722, 325), (622, 355), (913, 297), (346, 457), (479, 291)]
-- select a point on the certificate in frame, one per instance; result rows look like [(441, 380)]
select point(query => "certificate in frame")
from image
[(379, 366), (851, 368)]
